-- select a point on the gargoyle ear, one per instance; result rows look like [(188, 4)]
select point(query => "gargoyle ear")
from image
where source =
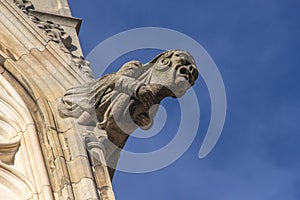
[(163, 61), (163, 64), (166, 61)]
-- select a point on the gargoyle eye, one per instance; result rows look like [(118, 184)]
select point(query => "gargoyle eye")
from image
[(183, 61)]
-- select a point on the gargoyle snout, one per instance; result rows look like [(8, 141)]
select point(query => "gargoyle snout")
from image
[(189, 72)]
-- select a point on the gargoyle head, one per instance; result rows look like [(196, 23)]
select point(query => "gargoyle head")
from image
[(175, 70), (171, 73)]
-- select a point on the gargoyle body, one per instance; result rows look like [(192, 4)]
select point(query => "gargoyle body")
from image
[(120, 102)]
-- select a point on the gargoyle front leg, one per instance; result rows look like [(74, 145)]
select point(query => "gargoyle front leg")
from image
[(145, 95)]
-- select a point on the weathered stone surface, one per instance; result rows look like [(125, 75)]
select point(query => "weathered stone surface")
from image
[(76, 167), (60, 7), (119, 103), (85, 189)]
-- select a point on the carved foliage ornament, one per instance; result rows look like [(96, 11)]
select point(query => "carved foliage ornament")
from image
[(58, 35)]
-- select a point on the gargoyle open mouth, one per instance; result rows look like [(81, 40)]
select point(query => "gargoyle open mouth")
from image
[(190, 73)]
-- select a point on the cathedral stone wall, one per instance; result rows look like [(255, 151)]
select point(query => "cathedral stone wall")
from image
[(41, 154)]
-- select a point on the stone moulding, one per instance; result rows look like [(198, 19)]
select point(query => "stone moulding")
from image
[(57, 34), (15, 183), (40, 71), (10, 123), (20, 152), (57, 19), (9, 150)]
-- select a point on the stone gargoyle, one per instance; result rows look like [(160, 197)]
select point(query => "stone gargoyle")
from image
[(120, 102)]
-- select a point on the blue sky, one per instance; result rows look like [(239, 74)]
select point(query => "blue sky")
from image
[(255, 45)]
